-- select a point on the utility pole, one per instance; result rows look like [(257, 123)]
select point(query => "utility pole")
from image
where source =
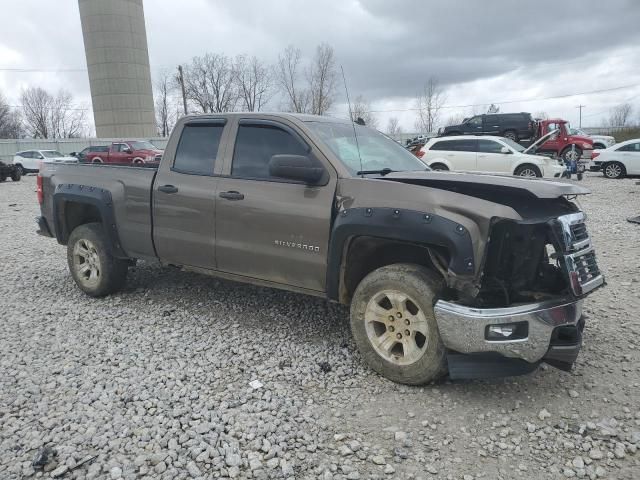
[(580, 107), (184, 95)]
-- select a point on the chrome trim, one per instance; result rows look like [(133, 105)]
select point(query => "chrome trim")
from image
[(595, 282), (463, 328), (566, 222)]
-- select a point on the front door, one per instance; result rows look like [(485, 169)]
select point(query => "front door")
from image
[(184, 196), (269, 228), (491, 159), (630, 155)]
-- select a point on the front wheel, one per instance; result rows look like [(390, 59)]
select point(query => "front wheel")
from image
[(528, 171), (613, 170), (20, 169), (571, 155), (394, 326), (440, 167), (93, 268)]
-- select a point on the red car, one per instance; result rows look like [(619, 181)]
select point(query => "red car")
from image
[(127, 152)]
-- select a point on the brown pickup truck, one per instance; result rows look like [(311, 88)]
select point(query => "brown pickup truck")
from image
[(477, 275)]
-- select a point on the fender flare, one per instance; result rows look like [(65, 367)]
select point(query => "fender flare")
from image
[(398, 225), (99, 198)]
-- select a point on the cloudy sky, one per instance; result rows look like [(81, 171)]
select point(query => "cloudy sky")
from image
[(513, 53)]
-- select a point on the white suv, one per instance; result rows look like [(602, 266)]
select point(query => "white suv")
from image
[(487, 154)]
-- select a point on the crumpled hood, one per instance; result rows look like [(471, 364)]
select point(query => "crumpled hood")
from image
[(458, 181)]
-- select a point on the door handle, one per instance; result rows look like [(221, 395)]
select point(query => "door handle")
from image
[(231, 195), (168, 189)]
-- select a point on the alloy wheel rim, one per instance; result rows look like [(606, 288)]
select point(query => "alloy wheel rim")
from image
[(396, 327), (613, 170), (87, 262), (528, 172)]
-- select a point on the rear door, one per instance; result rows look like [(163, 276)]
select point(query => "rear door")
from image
[(118, 153), (630, 155), (184, 195), (492, 125), (491, 159), (270, 228)]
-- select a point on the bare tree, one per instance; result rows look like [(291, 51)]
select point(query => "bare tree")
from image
[(322, 79), (620, 115), (393, 127), (455, 119), (429, 104), (210, 83), (361, 108), (254, 81), (165, 112), (10, 121), (541, 115), (287, 75), (46, 116)]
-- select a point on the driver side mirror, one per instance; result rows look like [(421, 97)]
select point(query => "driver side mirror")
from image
[(128, 150), (295, 167), (505, 150)]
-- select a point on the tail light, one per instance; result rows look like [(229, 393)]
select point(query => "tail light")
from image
[(594, 154), (39, 189), (420, 153)]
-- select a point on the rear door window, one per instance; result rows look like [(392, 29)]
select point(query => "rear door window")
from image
[(489, 146), (198, 148), (462, 145), (632, 147)]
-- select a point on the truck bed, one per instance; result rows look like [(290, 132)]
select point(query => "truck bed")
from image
[(130, 189)]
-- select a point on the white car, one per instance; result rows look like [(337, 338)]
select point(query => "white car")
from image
[(487, 154), (620, 160), (599, 141), (29, 160)]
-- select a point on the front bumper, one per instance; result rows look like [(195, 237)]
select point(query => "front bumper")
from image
[(464, 329), (553, 170)]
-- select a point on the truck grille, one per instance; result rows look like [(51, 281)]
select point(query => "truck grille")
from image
[(579, 257), (579, 232)]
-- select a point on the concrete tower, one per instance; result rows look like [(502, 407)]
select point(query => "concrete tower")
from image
[(115, 42)]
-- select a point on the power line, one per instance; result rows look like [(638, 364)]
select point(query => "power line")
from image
[(74, 108), (555, 97), (42, 70)]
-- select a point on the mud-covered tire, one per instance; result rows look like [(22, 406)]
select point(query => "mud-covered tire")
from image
[(421, 288), (87, 248)]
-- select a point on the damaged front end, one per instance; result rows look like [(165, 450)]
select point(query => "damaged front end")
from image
[(528, 306)]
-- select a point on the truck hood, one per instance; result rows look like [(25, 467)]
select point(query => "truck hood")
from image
[(472, 183)]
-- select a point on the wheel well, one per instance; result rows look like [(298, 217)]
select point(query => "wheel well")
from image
[(438, 164), (523, 165), (75, 214), (364, 254)]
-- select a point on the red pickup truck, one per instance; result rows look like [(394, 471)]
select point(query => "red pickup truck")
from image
[(564, 144), (136, 152)]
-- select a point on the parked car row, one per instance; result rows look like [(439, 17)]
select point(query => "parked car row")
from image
[(125, 152)]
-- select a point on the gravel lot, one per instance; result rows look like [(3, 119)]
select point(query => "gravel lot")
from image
[(155, 381)]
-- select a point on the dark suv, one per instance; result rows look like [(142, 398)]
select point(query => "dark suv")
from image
[(516, 126)]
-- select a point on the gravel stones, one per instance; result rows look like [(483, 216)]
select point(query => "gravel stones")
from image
[(119, 388)]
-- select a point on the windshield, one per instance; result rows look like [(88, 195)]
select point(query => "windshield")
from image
[(516, 146), (142, 145), (377, 151), (51, 153)]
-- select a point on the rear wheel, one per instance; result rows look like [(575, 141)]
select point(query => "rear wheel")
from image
[(96, 160), (394, 326), (614, 170), (91, 264), (20, 168), (511, 135), (528, 171), (138, 161), (439, 166), (16, 175)]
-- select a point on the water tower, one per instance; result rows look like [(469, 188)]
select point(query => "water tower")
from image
[(115, 43)]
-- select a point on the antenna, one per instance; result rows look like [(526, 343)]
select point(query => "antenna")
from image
[(355, 134)]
